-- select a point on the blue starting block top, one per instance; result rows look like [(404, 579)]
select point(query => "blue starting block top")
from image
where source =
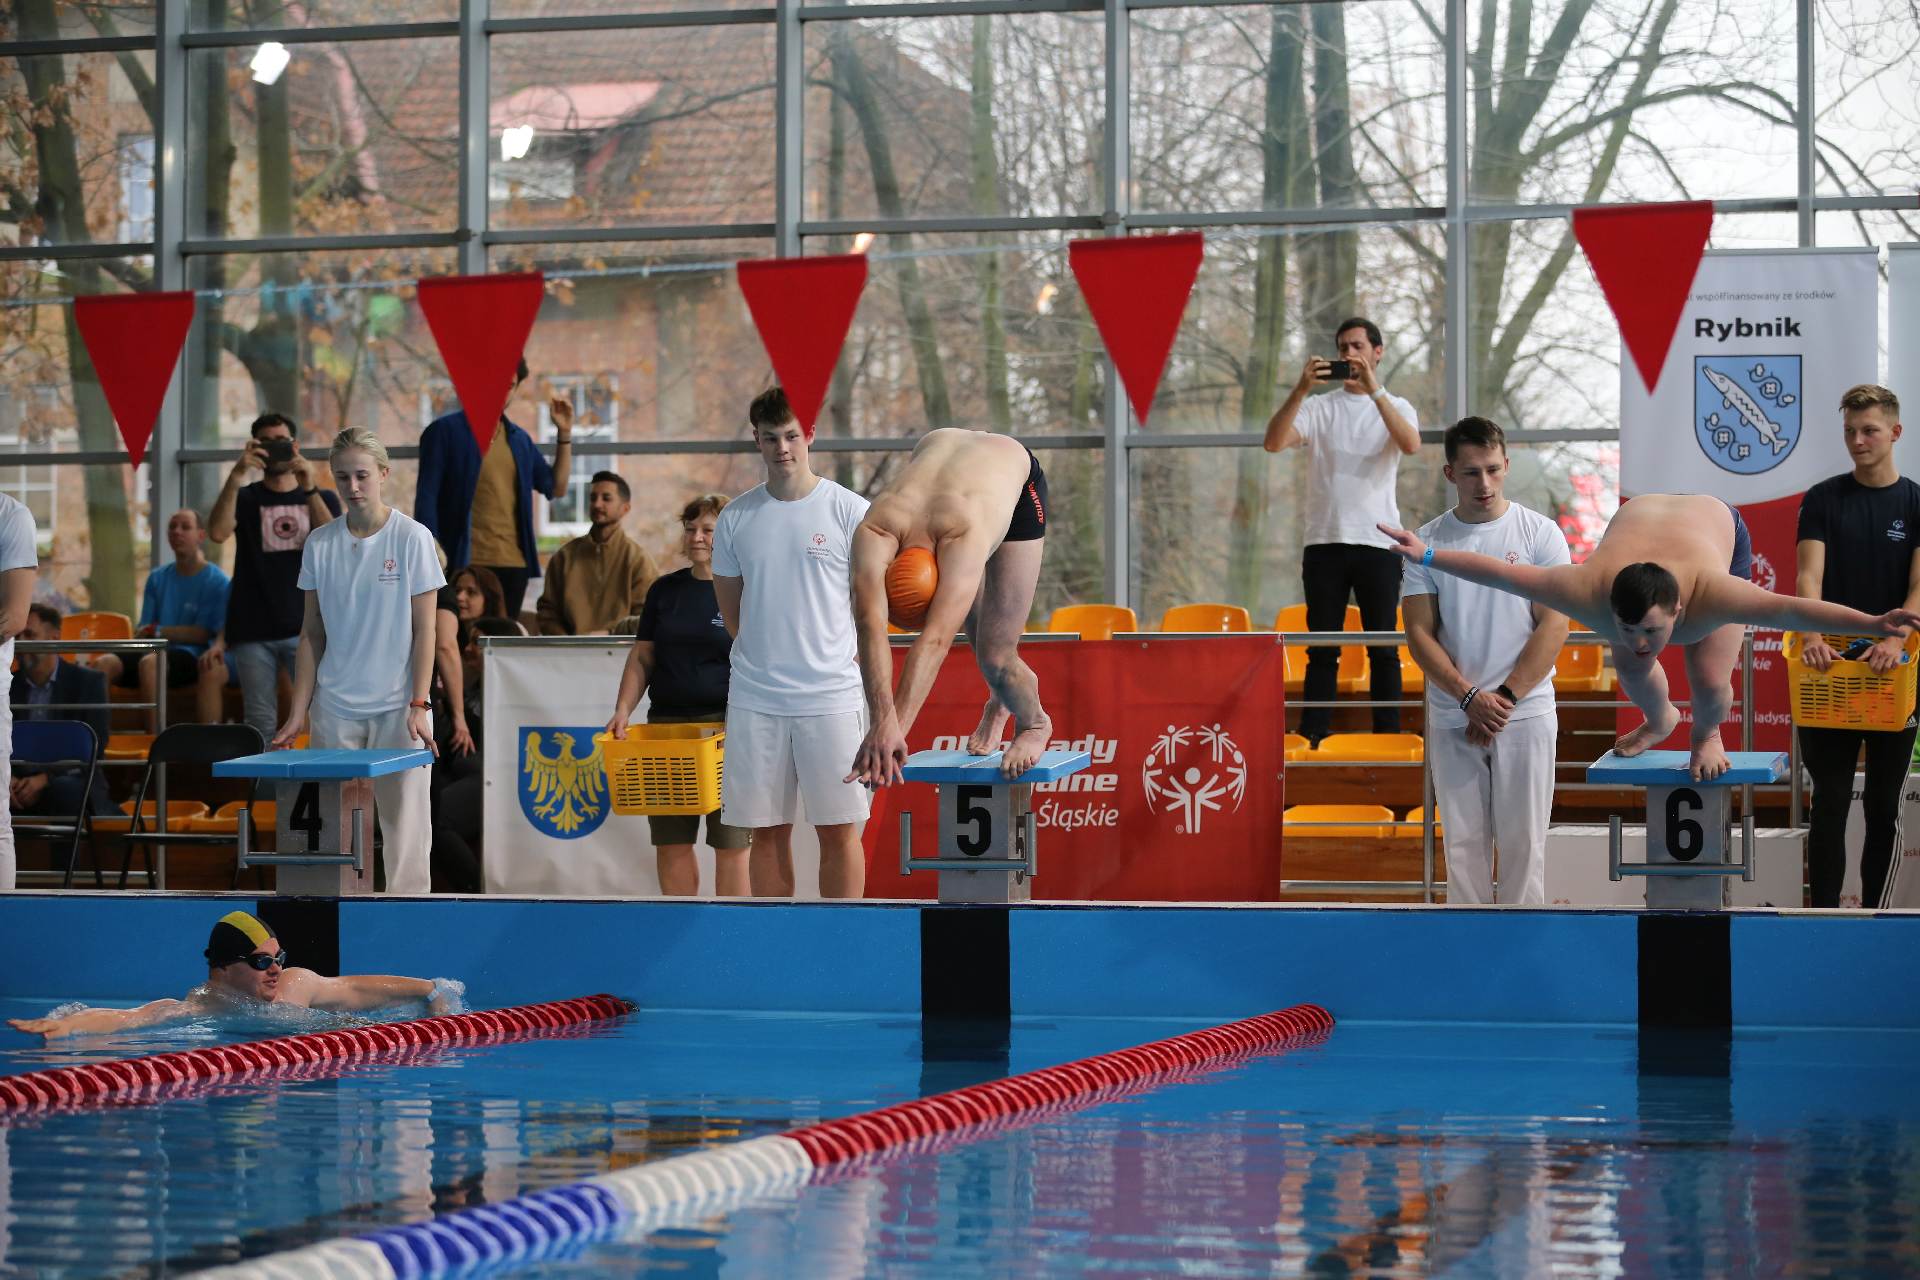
[(1669, 769), (962, 766), (324, 764)]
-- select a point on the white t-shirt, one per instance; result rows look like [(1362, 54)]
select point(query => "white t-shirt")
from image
[(795, 654), (1483, 629), (1352, 463), (366, 588), (17, 551)]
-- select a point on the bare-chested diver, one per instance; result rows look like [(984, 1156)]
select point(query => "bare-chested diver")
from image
[(247, 966), (978, 501), (1671, 568)]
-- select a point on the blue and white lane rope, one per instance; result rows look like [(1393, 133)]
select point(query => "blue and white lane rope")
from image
[(548, 1224)]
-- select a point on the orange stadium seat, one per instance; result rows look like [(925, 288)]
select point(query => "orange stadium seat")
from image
[(1093, 621), (1581, 668), (1206, 617), (1366, 818), (1372, 746), (1419, 815), (179, 814), (1352, 672), (1295, 747)]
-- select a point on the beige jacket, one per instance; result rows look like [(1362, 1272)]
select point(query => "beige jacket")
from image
[(589, 586)]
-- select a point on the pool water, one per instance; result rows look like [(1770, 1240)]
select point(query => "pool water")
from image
[(1389, 1149)]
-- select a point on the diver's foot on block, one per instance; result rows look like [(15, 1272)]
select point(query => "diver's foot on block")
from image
[(993, 722), (1025, 752), (1649, 735), (1708, 759)]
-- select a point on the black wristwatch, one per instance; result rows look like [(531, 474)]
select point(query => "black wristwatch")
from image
[(1506, 693)]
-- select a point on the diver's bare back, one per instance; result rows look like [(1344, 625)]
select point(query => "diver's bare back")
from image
[(1691, 535), (956, 481)]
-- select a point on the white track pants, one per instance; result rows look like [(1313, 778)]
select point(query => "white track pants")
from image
[(402, 802), (1501, 796)]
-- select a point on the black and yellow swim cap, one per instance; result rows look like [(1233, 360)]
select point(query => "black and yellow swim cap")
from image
[(234, 937)]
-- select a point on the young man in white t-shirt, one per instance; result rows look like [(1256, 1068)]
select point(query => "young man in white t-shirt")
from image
[(1488, 660), (19, 563), (1354, 438), (796, 713)]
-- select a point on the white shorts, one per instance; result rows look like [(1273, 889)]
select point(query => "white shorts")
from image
[(777, 764)]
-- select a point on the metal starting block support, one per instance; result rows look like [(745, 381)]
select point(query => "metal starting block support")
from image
[(987, 830), (325, 810), (1689, 824)]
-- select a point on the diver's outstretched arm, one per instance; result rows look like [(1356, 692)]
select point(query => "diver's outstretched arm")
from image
[(97, 1021), (1557, 587)]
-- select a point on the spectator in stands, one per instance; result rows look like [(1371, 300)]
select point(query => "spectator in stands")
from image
[(477, 593), (19, 563), (601, 577), (796, 711), (471, 595), (458, 800), (680, 658), (480, 507), (1856, 548), (269, 520), (1488, 660), (50, 688), (366, 647), (186, 605), (1354, 438)]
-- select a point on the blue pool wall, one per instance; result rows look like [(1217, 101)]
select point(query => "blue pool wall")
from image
[(1375, 963)]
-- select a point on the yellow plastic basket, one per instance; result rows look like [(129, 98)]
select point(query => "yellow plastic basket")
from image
[(1848, 695), (665, 768)]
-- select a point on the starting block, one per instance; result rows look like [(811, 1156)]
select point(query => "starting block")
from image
[(325, 814), (987, 831), (1689, 824)]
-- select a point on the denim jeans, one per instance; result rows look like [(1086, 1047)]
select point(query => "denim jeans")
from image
[(259, 663)]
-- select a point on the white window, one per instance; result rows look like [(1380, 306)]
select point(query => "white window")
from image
[(33, 486), (596, 417), (136, 187), (530, 178)]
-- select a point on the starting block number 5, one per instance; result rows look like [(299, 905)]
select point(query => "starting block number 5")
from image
[(974, 821)]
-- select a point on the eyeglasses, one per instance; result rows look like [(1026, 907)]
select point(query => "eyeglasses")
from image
[(263, 963)]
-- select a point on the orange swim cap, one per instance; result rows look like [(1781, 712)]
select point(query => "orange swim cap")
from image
[(911, 580)]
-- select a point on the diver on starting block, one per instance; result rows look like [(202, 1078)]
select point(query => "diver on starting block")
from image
[(1657, 578), (957, 537), (247, 969)]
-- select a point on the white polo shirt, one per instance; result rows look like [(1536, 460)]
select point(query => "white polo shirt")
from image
[(1352, 466), (1483, 629), (366, 588), (17, 551), (796, 653)]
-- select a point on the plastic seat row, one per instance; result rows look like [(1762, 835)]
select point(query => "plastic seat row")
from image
[(1354, 821)]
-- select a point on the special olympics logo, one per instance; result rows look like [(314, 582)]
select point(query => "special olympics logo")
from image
[(819, 539), (1763, 574), (1746, 416), (1193, 770)]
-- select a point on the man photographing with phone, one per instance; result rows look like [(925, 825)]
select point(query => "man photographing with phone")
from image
[(1354, 438), (271, 518)]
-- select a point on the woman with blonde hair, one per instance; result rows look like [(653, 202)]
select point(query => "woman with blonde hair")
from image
[(681, 655), (365, 662)]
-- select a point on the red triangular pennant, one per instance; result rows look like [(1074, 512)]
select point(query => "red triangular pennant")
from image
[(803, 308), (481, 325), (1645, 258), (135, 340), (1137, 290)]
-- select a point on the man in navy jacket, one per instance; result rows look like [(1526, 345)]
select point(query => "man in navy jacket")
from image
[(47, 688), (480, 506)]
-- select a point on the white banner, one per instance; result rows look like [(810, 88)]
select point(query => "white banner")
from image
[(1745, 408), (549, 825)]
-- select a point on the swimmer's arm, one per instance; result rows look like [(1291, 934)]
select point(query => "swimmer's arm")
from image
[(1558, 587), (358, 992), (870, 557), (727, 591), (1728, 599), (96, 1021), (961, 569)]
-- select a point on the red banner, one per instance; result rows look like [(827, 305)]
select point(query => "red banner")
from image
[(803, 308), (1183, 800), (134, 340), (1136, 288), (1645, 257), (480, 324), (1775, 527)]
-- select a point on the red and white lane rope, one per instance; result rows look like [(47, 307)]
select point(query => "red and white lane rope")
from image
[(560, 1220), (167, 1075)]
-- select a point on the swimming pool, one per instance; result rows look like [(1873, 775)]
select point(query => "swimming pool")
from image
[(1541, 1142)]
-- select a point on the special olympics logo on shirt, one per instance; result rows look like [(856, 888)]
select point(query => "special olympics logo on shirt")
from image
[(819, 548), (1897, 531), (1513, 557), (390, 571)]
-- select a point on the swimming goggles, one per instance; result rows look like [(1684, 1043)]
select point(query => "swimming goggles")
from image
[(262, 963)]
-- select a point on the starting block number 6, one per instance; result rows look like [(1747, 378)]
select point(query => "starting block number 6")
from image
[(1686, 837)]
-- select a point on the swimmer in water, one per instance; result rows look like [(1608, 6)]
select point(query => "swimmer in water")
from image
[(978, 502), (246, 966), (1657, 578)]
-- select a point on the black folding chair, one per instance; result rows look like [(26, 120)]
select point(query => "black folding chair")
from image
[(187, 744), (60, 746)]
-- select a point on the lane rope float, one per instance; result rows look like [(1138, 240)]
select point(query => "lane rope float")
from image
[(559, 1221)]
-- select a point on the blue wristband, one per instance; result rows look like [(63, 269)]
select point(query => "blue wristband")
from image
[(1427, 559)]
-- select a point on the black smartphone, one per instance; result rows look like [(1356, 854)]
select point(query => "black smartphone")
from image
[(1339, 370), (278, 450)]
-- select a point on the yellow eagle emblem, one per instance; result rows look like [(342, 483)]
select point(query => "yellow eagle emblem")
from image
[(561, 789)]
